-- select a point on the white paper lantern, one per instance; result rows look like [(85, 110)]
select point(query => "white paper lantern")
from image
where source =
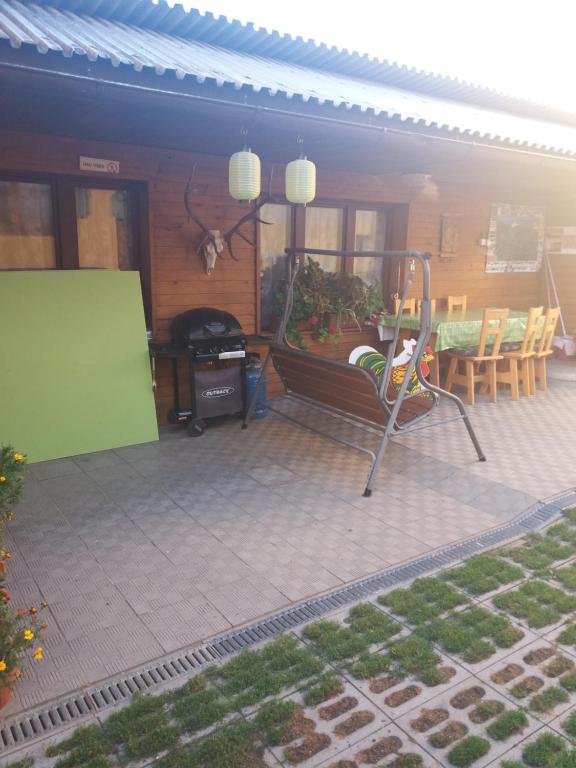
[(244, 175), (301, 181)]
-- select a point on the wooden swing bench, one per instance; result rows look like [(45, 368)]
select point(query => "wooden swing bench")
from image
[(355, 393)]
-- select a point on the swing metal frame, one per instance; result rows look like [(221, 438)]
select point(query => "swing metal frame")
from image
[(388, 422)]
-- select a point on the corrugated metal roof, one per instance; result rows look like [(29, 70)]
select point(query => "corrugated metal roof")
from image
[(161, 16), (48, 28)]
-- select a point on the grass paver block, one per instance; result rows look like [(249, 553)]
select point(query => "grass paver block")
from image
[(425, 599), (538, 603), (469, 750), (483, 573)]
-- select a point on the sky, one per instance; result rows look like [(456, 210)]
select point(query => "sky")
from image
[(523, 48)]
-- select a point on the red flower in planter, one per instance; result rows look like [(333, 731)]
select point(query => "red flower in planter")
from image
[(312, 321), (333, 330)]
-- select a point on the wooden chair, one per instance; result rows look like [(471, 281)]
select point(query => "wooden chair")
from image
[(457, 303), (408, 309), (432, 305), (480, 362), (518, 364), (544, 348)]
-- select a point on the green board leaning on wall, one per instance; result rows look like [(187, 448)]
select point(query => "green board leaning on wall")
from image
[(74, 367)]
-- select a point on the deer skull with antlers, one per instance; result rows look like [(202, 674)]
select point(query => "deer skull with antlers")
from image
[(214, 242)]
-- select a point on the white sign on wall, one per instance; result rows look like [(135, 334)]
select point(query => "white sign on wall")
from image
[(99, 164)]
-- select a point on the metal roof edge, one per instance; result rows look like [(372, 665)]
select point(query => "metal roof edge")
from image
[(174, 19)]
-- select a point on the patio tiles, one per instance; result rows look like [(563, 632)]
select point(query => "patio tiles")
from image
[(149, 549)]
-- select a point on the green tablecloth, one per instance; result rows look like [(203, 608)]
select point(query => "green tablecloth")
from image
[(460, 329)]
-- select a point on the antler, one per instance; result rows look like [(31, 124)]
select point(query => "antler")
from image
[(250, 216), (191, 215)]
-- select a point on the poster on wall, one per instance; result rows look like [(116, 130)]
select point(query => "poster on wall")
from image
[(515, 238)]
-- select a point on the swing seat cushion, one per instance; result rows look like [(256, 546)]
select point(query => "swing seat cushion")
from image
[(344, 387)]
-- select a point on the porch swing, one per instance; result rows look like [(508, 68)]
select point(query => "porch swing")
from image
[(355, 393)]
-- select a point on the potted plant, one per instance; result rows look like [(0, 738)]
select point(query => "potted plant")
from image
[(20, 632), (324, 302)]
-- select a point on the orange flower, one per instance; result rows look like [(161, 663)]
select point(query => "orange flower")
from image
[(3, 666), (33, 610), (2, 479), (4, 594), (28, 634), (21, 612), (38, 654), (44, 604)]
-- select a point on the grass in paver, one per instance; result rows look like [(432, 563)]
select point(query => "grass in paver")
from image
[(568, 635), (549, 699), (472, 633), (538, 603), (370, 665), (537, 553), (486, 710), (507, 724), (424, 600), (569, 724), (541, 751), (483, 573), (197, 707), (365, 625), (28, 762), (327, 687), (566, 576), (558, 666), (468, 751), (253, 676), (526, 687), (568, 681), (86, 747), (415, 655)]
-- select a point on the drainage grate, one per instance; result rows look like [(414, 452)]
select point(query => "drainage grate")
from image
[(18, 732)]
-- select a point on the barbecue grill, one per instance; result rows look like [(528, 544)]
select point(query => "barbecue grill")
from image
[(213, 345)]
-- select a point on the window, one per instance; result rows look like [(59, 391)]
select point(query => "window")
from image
[(62, 223), (515, 238), (274, 239), (346, 227), (104, 221), (324, 229), (26, 226)]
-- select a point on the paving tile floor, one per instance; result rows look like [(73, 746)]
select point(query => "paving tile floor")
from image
[(148, 549)]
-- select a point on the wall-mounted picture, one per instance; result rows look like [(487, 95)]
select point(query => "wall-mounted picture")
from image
[(515, 238)]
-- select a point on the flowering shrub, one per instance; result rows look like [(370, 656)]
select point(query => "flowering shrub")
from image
[(12, 466), (20, 629), (20, 632)]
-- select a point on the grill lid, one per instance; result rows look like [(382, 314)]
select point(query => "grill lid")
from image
[(204, 324)]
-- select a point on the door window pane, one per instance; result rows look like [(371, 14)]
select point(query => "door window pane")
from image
[(324, 230), (104, 219), (26, 226), (274, 239), (370, 235)]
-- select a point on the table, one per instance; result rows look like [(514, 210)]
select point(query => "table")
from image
[(458, 329)]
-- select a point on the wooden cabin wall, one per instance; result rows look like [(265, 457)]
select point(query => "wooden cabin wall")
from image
[(177, 277)]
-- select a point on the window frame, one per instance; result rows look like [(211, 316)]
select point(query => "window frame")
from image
[(298, 237), (65, 223)]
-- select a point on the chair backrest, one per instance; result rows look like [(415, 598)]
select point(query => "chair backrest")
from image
[(347, 388), (457, 303), (550, 321), (532, 328), (409, 307), (432, 305), (493, 326)]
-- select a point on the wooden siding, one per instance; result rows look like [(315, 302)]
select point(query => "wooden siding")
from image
[(177, 277)]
